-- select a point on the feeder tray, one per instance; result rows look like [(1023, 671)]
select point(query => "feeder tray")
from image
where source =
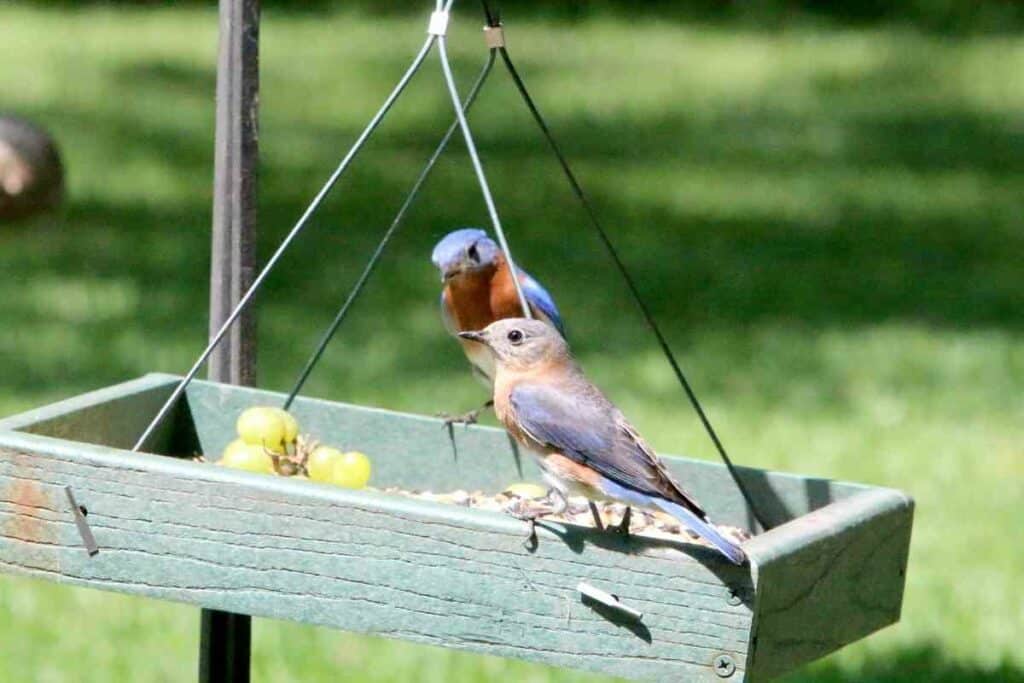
[(831, 572)]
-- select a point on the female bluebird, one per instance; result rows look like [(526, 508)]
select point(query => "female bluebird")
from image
[(583, 443), (478, 289)]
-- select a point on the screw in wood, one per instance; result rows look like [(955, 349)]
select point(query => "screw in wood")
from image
[(724, 666), (734, 597)]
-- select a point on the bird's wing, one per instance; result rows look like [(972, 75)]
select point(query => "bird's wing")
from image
[(541, 300), (446, 314), (588, 429), (550, 418)]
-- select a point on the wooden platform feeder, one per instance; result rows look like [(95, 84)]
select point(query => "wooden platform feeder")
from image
[(174, 529)]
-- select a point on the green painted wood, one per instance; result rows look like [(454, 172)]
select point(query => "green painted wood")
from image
[(430, 573), (365, 562), (112, 416), (829, 578), (415, 451), (412, 451)]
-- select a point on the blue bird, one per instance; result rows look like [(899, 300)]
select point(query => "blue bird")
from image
[(583, 443), (478, 290)]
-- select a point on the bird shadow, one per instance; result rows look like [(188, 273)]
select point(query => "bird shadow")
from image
[(738, 578)]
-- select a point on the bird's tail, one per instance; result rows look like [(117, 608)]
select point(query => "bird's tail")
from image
[(709, 533)]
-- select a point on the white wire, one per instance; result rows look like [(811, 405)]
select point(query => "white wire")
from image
[(313, 206), (479, 169)]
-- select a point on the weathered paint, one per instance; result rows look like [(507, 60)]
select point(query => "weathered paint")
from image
[(829, 578), (363, 561)]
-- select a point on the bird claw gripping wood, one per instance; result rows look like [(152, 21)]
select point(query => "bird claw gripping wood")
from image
[(522, 509), (469, 418), (554, 503), (466, 419)]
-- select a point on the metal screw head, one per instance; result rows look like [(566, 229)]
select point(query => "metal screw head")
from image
[(724, 666), (735, 598)]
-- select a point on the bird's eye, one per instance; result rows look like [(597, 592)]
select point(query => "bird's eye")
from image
[(473, 253), (515, 336)]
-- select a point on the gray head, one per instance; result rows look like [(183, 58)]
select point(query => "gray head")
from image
[(521, 343), (465, 251)]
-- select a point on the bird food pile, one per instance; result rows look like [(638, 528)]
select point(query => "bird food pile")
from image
[(269, 442), (519, 498)]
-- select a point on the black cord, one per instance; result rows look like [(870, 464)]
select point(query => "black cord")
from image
[(493, 16), (388, 234), (299, 226), (578, 191)]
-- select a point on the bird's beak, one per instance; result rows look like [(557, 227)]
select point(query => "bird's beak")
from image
[(474, 336)]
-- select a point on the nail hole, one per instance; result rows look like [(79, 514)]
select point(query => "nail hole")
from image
[(83, 510)]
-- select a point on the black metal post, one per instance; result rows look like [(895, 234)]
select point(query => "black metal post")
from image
[(225, 638)]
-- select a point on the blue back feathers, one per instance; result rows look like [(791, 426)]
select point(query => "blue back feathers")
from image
[(539, 299)]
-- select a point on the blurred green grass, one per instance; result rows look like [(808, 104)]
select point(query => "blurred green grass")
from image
[(827, 221)]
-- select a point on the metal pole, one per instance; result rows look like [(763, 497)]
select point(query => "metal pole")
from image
[(225, 638)]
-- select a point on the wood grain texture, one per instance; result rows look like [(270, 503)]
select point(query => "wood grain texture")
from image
[(829, 578), (365, 562), (415, 451)]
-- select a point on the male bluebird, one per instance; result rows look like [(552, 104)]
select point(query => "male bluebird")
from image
[(583, 443), (478, 289)]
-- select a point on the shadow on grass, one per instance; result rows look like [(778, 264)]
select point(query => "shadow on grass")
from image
[(934, 16), (842, 234), (925, 664)]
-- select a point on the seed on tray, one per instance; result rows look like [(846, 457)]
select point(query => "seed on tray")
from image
[(649, 523)]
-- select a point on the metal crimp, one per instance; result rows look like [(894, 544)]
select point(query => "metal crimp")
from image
[(438, 25), (494, 36)]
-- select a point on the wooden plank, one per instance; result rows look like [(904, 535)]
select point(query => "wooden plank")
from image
[(829, 578), (112, 416), (366, 562), (407, 450), (414, 451), (823, 580)]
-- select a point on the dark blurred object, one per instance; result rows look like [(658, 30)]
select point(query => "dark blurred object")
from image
[(31, 174)]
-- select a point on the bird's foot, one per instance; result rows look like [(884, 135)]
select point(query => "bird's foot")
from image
[(530, 517), (530, 511), (468, 418), (527, 510)]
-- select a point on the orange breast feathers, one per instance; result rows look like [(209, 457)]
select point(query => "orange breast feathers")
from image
[(504, 296), (476, 299), (505, 382)]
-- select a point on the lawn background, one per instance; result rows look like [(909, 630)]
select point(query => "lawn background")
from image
[(827, 218)]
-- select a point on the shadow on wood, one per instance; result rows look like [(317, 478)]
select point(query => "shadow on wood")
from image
[(365, 561)]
